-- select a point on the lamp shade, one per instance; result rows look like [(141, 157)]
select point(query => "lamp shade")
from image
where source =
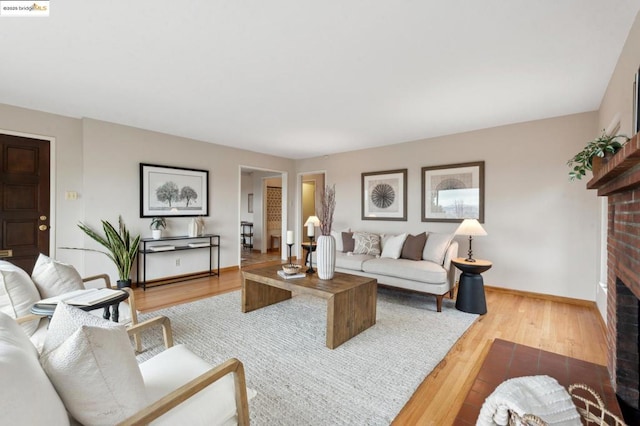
[(311, 224), (471, 227), (312, 220)]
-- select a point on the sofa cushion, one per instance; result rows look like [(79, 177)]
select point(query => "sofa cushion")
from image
[(93, 369), (366, 243), (436, 247), (217, 401), (413, 246), (54, 278), (337, 235), (17, 294), (352, 261), (348, 243), (27, 396), (392, 245), (422, 270)]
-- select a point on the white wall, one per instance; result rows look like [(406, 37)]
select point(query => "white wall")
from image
[(542, 228), (67, 172), (112, 154), (101, 160)]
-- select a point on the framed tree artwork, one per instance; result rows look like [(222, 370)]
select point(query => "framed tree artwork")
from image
[(173, 191), (453, 192), (384, 195)]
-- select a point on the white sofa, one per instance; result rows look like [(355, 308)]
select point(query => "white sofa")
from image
[(432, 274)]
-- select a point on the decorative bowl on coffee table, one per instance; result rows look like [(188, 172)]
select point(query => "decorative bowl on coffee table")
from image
[(291, 269)]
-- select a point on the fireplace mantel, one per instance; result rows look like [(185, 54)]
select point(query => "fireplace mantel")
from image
[(622, 171)]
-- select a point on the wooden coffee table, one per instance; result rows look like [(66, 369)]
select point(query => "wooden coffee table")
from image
[(351, 300)]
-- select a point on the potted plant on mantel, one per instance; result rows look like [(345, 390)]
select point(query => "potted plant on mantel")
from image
[(157, 225), (326, 245), (593, 153), (121, 247)]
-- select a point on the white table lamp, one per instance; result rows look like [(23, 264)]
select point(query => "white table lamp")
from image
[(472, 228)]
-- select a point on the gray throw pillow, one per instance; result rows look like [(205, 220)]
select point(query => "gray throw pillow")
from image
[(348, 243), (413, 246)]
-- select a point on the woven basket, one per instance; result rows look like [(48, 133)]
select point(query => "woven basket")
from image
[(590, 407), (593, 412)]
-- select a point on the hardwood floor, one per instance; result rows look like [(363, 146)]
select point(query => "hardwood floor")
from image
[(574, 330)]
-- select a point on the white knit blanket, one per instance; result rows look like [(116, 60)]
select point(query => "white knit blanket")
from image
[(539, 395)]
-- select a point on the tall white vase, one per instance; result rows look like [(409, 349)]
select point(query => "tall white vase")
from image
[(326, 257)]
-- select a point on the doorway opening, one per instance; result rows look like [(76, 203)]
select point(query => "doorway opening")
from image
[(311, 185), (262, 221)]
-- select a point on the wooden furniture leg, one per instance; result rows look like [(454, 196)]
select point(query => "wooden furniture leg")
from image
[(256, 295), (351, 312)]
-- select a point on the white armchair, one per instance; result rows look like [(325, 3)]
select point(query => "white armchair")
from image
[(180, 387)]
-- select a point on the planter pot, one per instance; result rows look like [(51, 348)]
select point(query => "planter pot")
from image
[(597, 163), (124, 283), (156, 234), (326, 257)]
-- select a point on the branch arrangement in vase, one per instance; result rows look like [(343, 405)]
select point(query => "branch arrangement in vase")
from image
[(327, 208)]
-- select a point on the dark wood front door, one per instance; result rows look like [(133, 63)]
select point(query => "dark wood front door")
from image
[(24, 199)]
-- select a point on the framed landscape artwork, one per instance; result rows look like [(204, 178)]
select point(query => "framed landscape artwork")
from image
[(384, 195), (173, 191), (453, 192)]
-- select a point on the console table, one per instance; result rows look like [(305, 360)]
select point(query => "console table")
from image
[(207, 241)]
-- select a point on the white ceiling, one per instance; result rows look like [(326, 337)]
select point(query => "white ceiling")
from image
[(300, 78)]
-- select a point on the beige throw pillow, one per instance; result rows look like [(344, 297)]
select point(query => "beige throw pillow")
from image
[(436, 247), (366, 243), (93, 367), (17, 294), (54, 278)]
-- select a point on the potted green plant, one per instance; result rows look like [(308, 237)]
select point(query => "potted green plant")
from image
[(157, 225), (593, 153), (121, 247)]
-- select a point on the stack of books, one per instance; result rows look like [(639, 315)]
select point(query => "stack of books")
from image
[(204, 244), (88, 297), (291, 276), (164, 247)]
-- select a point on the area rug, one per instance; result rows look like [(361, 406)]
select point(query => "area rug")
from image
[(365, 381)]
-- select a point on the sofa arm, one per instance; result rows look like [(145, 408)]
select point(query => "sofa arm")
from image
[(452, 253), (104, 277), (162, 321), (196, 385), (29, 317)]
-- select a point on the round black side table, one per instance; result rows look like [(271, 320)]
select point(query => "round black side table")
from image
[(471, 296), (47, 309)]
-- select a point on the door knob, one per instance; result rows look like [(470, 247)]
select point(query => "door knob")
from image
[(43, 218), (42, 227)]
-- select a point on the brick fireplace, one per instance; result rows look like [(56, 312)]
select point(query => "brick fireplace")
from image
[(619, 180)]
